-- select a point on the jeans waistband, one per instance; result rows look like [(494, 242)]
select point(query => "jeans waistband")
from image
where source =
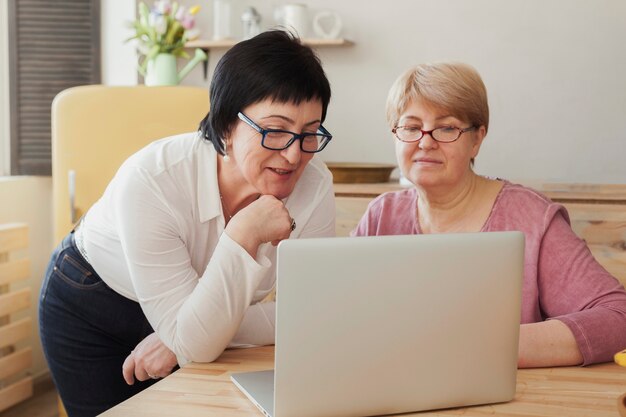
[(79, 240)]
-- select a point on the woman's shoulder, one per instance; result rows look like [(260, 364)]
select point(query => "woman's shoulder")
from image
[(518, 193), (391, 213), (393, 205), (163, 153), (400, 199), (524, 205), (178, 142)]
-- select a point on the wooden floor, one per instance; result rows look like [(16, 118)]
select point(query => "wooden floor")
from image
[(42, 404)]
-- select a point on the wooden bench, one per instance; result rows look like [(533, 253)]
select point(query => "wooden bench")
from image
[(15, 384), (597, 212)]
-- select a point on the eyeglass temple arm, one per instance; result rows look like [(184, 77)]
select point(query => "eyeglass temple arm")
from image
[(249, 122)]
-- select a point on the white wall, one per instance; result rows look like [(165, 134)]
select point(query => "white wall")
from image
[(28, 200), (5, 162), (118, 58), (554, 70)]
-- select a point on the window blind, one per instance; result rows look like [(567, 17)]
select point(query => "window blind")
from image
[(53, 45)]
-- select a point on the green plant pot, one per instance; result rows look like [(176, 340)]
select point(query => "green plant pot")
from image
[(161, 70)]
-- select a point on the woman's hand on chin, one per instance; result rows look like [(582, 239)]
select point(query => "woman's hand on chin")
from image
[(264, 220)]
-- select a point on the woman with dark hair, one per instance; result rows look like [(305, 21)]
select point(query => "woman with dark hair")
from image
[(170, 264)]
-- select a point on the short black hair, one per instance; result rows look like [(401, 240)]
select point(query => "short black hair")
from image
[(272, 65)]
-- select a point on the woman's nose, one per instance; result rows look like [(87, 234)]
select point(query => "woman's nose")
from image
[(427, 142), (293, 153)]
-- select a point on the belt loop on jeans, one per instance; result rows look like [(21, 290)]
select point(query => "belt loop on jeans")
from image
[(78, 240)]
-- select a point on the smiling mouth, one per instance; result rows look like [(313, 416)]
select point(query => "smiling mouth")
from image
[(281, 171), (427, 161)]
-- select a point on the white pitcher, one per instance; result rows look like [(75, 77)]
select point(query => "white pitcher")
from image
[(294, 17)]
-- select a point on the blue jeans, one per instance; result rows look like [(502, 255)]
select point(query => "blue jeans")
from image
[(87, 330)]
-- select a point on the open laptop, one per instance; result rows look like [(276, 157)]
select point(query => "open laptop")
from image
[(392, 324)]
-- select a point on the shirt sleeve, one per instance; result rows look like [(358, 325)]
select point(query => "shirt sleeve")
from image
[(258, 326), (575, 289), (195, 316)]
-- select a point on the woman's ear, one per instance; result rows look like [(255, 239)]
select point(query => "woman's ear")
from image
[(479, 136)]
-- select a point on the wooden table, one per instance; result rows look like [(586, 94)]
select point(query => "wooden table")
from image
[(206, 390)]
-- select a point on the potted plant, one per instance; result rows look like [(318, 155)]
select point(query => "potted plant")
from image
[(161, 33)]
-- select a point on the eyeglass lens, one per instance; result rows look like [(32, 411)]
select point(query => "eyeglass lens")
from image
[(280, 140), (442, 134)]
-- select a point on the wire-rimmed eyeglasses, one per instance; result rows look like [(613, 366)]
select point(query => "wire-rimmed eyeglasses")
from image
[(277, 139), (444, 134)]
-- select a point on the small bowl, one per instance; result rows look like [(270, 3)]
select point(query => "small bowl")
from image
[(360, 172)]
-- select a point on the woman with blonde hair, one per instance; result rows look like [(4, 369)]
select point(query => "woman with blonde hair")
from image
[(573, 310)]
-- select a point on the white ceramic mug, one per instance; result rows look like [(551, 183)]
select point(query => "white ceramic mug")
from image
[(327, 25), (294, 18)]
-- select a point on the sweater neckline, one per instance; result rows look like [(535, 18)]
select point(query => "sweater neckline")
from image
[(416, 225)]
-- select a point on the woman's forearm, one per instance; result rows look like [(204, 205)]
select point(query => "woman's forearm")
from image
[(258, 326), (547, 343)]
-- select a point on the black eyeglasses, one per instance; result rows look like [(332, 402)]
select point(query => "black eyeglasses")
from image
[(277, 140), (444, 134)]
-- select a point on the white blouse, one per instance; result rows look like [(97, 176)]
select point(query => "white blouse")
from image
[(156, 237)]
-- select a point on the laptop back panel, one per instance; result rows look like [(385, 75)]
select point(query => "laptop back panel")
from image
[(391, 324)]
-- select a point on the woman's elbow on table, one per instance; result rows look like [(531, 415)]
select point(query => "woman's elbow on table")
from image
[(198, 351)]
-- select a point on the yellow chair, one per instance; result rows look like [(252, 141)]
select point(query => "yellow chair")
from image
[(95, 128)]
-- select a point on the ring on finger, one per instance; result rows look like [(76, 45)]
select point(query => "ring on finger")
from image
[(293, 224), (153, 376)]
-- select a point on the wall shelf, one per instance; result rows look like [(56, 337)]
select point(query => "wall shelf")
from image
[(228, 43), (206, 45)]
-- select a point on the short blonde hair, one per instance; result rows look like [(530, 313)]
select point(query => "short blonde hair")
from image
[(454, 87)]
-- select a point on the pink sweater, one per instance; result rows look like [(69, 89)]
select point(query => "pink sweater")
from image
[(562, 280)]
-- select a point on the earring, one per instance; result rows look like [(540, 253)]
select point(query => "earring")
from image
[(226, 157)]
